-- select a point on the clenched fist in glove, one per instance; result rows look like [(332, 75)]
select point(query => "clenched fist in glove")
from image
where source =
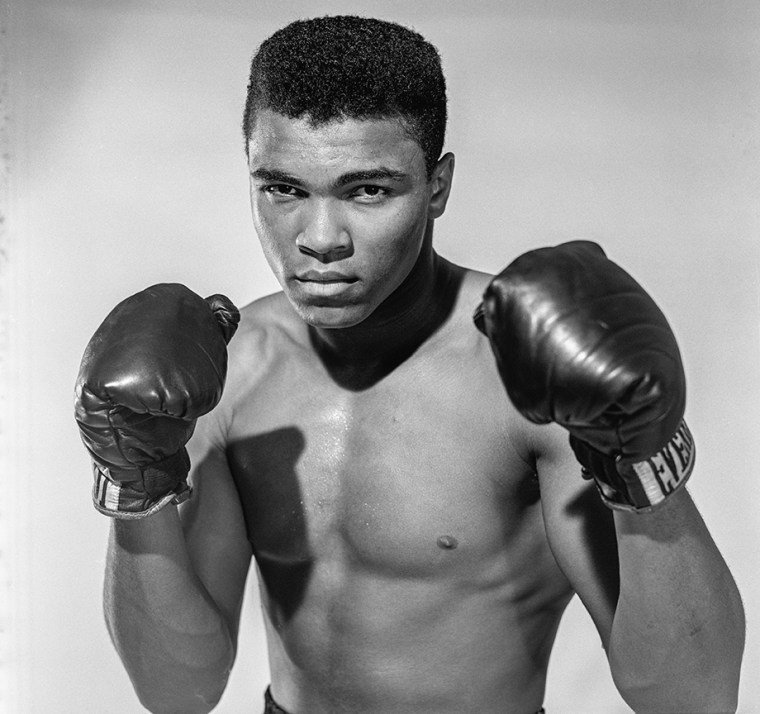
[(156, 364), (579, 342)]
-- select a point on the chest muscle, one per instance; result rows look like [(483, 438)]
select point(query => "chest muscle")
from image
[(402, 478)]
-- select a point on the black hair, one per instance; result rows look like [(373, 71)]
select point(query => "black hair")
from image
[(339, 67)]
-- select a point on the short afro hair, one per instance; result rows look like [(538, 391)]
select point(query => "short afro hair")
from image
[(339, 67)]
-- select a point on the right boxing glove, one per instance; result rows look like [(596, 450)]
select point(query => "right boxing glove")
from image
[(156, 364), (579, 342)]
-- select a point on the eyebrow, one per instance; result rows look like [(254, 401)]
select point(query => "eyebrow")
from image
[(343, 180), (370, 175), (274, 175)]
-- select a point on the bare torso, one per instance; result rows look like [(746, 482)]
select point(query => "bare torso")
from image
[(396, 525)]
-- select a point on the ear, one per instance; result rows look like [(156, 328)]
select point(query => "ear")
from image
[(440, 185)]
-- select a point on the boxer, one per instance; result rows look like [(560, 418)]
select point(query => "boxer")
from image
[(421, 493)]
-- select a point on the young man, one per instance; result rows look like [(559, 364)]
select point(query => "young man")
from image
[(416, 538)]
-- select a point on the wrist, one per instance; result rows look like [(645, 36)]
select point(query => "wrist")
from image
[(639, 485), (140, 492)]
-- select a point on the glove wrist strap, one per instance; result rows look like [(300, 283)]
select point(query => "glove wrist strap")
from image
[(668, 470), (640, 486), (144, 491)]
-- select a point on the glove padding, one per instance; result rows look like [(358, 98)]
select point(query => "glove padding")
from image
[(156, 364), (579, 342)]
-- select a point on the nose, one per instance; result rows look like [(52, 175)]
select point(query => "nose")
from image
[(324, 234)]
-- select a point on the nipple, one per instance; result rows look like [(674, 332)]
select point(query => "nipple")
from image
[(447, 542)]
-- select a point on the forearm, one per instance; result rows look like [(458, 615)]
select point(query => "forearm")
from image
[(172, 639), (678, 631)]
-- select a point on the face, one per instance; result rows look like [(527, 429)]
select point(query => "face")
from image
[(341, 211)]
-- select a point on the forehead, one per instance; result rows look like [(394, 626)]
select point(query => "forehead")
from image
[(296, 146)]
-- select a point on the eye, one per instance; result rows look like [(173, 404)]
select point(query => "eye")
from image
[(281, 191), (370, 193)]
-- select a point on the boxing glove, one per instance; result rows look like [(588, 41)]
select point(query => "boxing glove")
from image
[(156, 364), (577, 341)]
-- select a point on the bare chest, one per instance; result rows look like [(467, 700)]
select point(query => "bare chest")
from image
[(394, 478)]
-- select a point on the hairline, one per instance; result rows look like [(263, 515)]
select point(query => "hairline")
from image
[(403, 121)]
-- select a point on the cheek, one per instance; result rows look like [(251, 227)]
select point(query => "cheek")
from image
[(395, 240), (273, 233)]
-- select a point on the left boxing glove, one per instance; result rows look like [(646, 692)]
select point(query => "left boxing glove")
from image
[(156, 364), (579, 342)]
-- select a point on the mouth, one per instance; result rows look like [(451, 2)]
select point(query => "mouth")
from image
[(324, 276), (325, 286)]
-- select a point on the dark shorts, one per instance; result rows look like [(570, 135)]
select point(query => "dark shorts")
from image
[(271, 706)]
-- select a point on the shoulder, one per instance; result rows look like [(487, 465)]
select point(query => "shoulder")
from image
[(267, 326), (269, 314), (545, 445), (473, 284), (470, 286), (268, 333), (466, 358)]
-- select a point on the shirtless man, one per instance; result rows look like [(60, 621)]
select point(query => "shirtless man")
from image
[(416, 538)]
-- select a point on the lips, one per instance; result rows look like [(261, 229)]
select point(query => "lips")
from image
[(326, 288), (325, 276)]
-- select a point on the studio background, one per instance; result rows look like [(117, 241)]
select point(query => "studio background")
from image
[(634, 124)]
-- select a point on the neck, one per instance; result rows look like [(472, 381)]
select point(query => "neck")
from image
[(360, 356)]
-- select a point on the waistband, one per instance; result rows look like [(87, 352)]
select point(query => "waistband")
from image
[(271, 706)]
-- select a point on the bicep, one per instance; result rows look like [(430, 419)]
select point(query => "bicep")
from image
[(214, 527), (579, 527)]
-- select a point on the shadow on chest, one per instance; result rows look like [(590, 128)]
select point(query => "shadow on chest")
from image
[(397, 488)]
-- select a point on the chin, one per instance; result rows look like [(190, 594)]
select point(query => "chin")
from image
[(332, 318)]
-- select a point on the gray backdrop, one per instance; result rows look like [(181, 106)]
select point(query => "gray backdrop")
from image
[(632, 123)]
